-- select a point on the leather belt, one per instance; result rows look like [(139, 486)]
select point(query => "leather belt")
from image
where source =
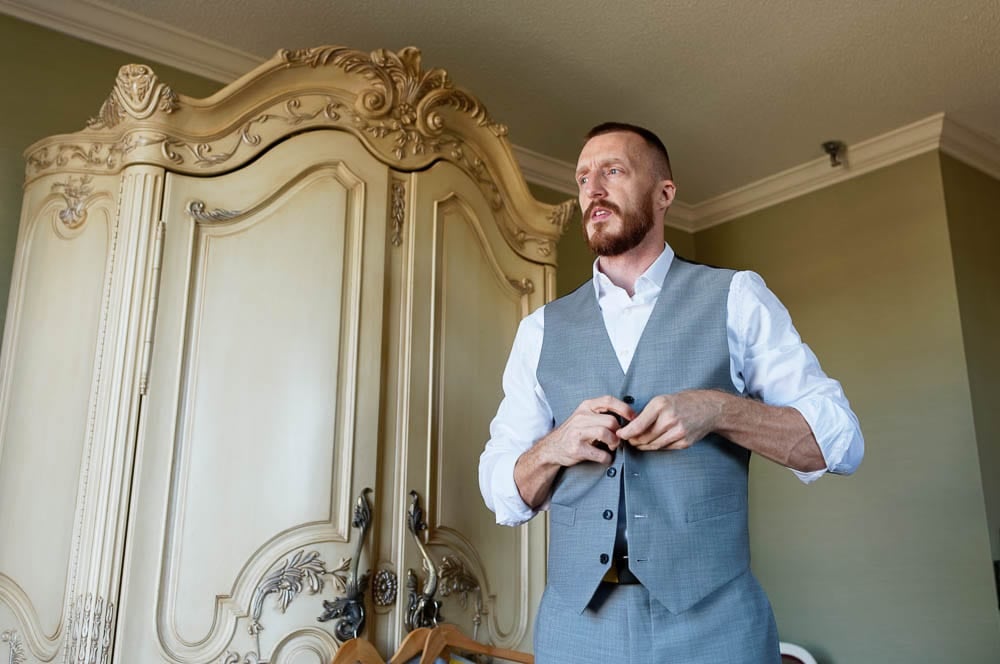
[(619, 573)]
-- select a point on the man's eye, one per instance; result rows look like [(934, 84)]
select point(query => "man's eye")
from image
[(583, 180), (612, 171)]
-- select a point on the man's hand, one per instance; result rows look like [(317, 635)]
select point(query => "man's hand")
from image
[(674, 421), (589, 434), (678, 421)]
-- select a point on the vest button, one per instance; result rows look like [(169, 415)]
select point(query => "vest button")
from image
[(604, 559), (629, 399), (608, 515), (612, 472)]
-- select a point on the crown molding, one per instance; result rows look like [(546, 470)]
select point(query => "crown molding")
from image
[(115, 28), (936, 132), (546, 171), (858, 159), (125, 31), (971, 147)]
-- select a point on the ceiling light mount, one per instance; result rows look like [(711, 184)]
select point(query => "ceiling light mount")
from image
[(835, 149)]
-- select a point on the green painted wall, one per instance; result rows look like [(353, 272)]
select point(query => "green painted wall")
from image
[(891, 564), (53, 84), (682, 242), (973, 203)]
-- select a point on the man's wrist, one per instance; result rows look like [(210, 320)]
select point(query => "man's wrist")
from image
[(726, 409)]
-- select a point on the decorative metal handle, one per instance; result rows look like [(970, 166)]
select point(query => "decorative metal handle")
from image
[(423, 609), (349, 611)]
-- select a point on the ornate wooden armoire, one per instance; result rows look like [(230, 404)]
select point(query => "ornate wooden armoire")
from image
[(253, 346)]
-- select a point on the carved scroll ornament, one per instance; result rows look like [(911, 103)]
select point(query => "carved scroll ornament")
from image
[(403, 99), (303, 570), (457, 579), (75, 192), (398, 211), (523, 286), (403, 104), (137, 93), (13, 640), (563, 213)]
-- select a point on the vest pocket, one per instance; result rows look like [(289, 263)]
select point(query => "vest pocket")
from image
[(563, 514), (716, 506)]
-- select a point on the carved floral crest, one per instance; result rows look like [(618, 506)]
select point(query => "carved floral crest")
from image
[(403, 105), (403, 99), (138, 93), (75, 192)]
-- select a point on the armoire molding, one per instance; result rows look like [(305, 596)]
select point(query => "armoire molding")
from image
[(141, 36)]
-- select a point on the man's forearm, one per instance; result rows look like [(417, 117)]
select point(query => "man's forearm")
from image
[(534, 476), (777, 433), (587, 435)]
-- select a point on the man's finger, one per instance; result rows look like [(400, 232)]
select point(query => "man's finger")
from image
[(638, 426)]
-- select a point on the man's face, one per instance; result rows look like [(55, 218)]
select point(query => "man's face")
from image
[(617, 192)]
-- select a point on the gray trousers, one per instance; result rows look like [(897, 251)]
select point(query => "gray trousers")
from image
[(623, 624)]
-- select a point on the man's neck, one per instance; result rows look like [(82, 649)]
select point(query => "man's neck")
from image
[(625, 269)]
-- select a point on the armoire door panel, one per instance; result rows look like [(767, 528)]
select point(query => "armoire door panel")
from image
[(46, 421), (476, 290), (259, 414), (264, 378)]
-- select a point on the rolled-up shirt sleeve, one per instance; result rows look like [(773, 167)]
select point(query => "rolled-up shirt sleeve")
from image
[(523, 417), (770, 362)]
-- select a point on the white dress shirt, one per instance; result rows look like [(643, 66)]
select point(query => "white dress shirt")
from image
[(768, 361)]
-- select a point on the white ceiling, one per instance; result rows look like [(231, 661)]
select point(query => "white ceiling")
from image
[(737, 90)]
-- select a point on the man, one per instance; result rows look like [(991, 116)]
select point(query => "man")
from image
[(631, 407)]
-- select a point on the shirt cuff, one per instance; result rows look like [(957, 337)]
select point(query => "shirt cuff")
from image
[(510, 508), (836, 433)]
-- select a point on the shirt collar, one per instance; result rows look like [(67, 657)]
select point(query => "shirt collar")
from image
[(647, 286)]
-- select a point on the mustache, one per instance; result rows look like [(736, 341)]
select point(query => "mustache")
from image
[(606, 204)]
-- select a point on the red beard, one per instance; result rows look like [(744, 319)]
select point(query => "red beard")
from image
[(635, 226)]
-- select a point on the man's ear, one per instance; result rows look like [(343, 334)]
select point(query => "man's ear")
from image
[(667, 192)]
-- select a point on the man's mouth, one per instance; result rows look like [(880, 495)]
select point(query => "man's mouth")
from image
[(600, 212)]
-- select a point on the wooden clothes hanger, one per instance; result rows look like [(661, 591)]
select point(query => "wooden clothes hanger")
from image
[(429, 645), (443, 637), (357, 651), (411, 646), (361, 651)]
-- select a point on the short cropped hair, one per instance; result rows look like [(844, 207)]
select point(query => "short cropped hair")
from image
[(660, 156)]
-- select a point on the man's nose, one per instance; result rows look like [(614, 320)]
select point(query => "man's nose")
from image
[(594, 188)]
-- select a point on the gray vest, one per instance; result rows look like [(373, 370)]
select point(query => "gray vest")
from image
[(686, 510)]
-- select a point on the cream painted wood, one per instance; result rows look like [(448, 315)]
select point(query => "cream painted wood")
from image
[(464, 292), (264, 383), (62, 454), (229, 317)]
